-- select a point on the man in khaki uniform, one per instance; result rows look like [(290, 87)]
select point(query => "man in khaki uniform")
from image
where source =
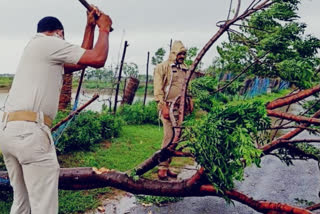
[(25, 137), (168, 80)]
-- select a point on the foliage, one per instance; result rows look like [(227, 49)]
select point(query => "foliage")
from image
[(312, 106), (137, 114), (131, 70), (191, 54), (5, 201), (204, 90), (288, 155), (99, 74), (83, 132), (158, 56), (223, 141), (157, 200), (87, 129), (2, 165), (110, 125), (275, 38), (304, 202)]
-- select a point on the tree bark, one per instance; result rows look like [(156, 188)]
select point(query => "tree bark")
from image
[(66, 92)]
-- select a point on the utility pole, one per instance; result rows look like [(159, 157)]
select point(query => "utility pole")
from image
[(147, 77), (119, 77)]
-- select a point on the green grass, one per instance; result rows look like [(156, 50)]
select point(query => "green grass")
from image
[(135, 144), (264, 98), (5, 82)]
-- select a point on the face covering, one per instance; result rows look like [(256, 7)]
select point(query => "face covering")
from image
[(58, 36)]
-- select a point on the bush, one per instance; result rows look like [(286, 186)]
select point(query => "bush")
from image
[(151, 113), (137, 114), (86, 130), (110, 125), (83, 132)]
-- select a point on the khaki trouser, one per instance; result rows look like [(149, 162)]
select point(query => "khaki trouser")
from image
[(32, 165), (167, 135)]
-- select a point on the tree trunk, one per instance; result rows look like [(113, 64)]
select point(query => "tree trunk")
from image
[(66, 92), (130, 91)]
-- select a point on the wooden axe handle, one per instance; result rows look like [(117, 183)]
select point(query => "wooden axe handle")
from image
[(89, 8)]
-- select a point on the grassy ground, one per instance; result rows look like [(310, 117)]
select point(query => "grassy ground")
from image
[(5, 82), (135, 144)]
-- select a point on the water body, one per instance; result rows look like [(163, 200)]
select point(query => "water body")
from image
[(85, 97)]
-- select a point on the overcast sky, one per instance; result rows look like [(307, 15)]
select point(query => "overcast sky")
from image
[(146, 24)]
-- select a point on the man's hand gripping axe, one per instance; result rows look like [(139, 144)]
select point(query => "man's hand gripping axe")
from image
[(89, 8)]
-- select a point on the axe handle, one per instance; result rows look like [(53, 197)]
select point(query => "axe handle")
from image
[(86, 4), (89, 8)]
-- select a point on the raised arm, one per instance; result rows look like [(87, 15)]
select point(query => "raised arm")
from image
[(98, 55), (88, 39)]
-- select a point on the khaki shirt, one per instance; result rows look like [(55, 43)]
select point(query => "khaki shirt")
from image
[(38, 80)]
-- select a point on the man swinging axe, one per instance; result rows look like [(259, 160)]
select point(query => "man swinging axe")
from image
[(25, 138)]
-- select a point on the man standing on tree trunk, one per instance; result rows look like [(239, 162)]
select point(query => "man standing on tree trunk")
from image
[(169, 77), (25, 139)]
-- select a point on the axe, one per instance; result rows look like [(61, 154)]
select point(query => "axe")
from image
[(89, 8)]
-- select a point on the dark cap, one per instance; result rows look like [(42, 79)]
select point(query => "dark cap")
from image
[(49, 23)]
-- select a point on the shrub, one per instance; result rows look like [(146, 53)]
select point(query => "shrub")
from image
[(87, 129), (151, 113), (83, 132), (137, 114), (110, 125)]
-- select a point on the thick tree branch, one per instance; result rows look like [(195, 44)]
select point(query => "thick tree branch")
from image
[(293, 98), (292, 117)]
